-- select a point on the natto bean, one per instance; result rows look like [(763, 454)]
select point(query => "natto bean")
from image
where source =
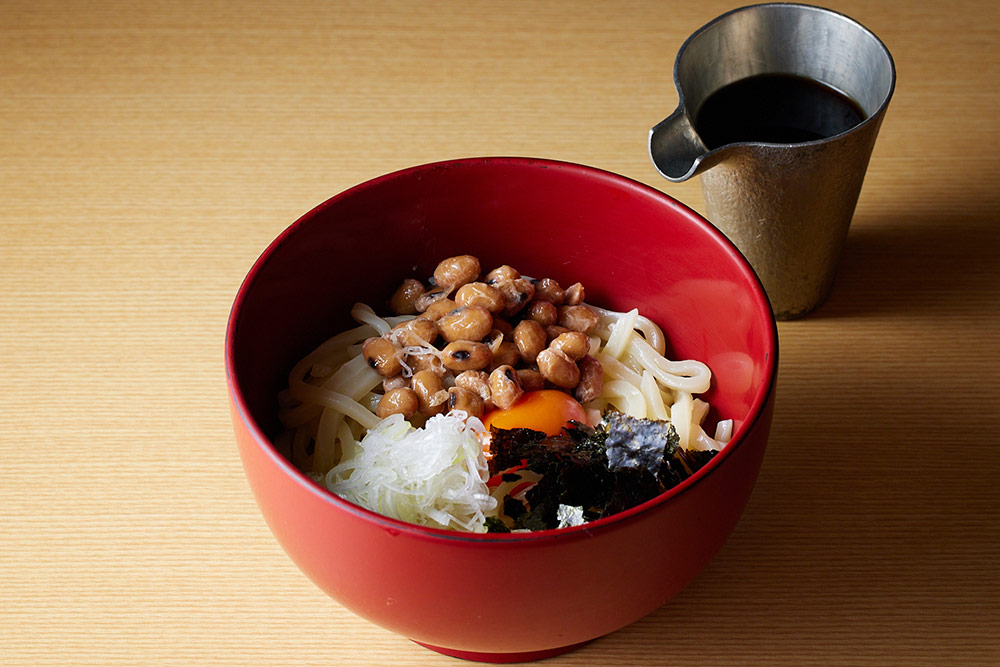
[(401, 400), (558, 368), (465, 355), (404, 299), (456, 271), (383, 356), (505, 387), (465, 323)]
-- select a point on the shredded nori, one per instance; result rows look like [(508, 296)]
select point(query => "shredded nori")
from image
[(514, 508), (604, 470), (495, 525)]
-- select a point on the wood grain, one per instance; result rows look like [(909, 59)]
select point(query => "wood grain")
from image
[(150, 151)]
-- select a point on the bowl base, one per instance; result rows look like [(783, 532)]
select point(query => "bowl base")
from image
[(522, 656)]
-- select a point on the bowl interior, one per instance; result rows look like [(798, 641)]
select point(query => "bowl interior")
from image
[(631, 247)]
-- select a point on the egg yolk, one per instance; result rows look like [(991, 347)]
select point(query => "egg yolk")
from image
[(546, 410)]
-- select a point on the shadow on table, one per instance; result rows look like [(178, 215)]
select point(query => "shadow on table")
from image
[(922, 264)]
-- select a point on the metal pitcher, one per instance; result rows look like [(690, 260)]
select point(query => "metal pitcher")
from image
[(787, 206)]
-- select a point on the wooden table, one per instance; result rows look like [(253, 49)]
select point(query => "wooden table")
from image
[(149, 152)]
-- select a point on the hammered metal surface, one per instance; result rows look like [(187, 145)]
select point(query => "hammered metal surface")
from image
[(788, 209)]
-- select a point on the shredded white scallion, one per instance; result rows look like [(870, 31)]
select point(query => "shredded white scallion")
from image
[(432, 476)]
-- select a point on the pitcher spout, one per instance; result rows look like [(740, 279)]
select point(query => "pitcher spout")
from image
[(675, 147)]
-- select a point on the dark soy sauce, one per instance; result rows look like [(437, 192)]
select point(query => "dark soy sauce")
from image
[(775, 108)]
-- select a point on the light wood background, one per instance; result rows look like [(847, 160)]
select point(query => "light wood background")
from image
[(148, 153)]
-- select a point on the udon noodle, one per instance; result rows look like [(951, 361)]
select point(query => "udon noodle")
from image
[(332, 393)]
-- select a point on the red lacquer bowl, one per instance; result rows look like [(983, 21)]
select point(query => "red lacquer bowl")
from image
[(517, 596)]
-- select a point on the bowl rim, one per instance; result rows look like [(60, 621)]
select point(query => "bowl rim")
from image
[(397, 526)]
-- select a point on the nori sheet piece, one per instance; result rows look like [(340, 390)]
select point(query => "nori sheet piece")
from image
[(573, 468), (603, 470)]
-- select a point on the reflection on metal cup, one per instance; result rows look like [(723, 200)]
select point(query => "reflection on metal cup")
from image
[(787, 206)]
